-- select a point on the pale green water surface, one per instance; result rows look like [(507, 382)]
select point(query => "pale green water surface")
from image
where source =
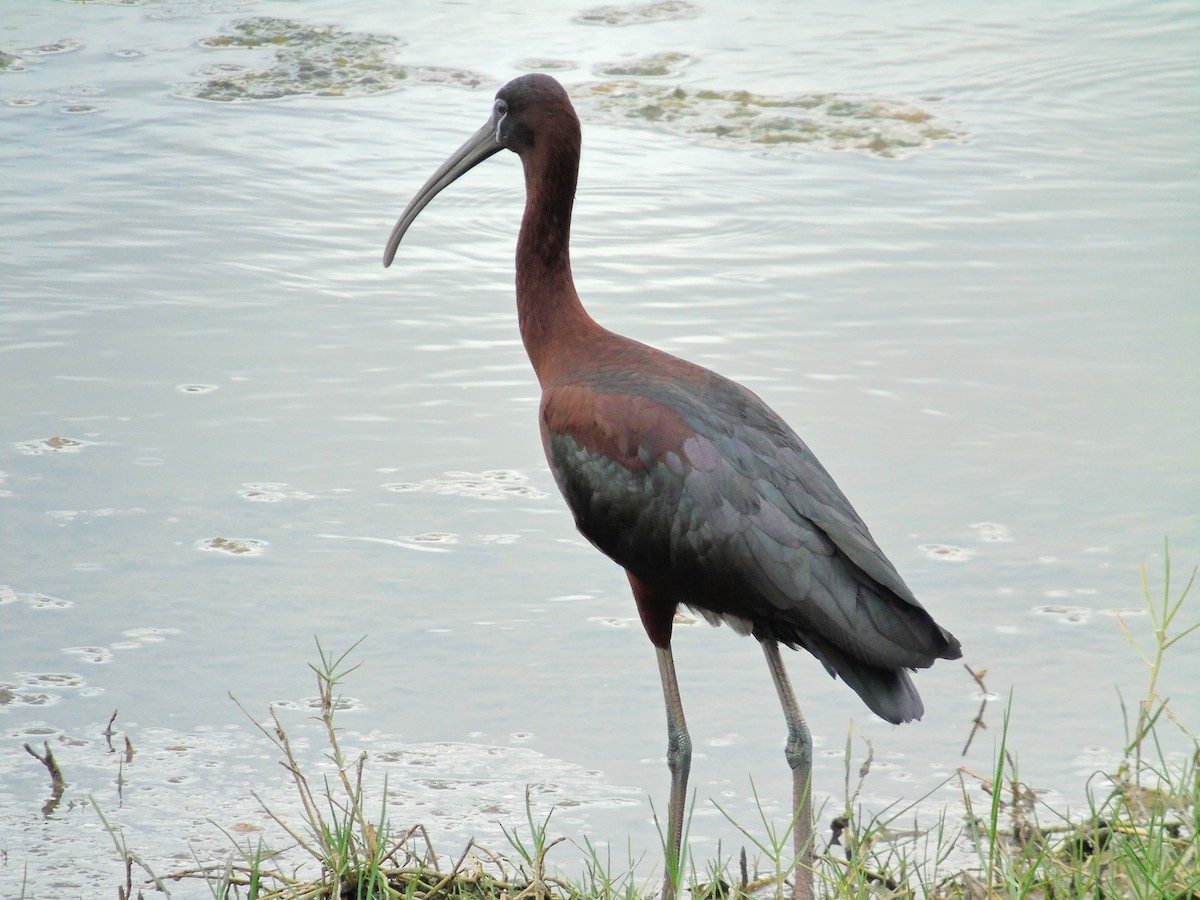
[(954, 244)]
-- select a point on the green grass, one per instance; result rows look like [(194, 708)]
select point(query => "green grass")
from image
[(1137, 838)]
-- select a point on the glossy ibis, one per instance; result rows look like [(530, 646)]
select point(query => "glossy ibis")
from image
[(689, 481)]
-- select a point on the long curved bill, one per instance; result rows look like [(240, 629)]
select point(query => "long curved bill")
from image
[(478, 147)]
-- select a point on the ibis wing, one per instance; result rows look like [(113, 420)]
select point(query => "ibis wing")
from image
[(702, 491)]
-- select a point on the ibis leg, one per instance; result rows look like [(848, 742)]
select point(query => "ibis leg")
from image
[(799, 757), (679, 761)]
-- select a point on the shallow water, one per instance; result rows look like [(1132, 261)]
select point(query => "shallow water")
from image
[(225, 428)]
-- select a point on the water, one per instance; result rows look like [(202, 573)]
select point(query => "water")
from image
[(988, 335)]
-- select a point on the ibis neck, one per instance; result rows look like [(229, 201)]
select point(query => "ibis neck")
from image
[(552, 320)]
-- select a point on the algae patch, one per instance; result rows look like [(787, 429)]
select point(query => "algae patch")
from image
[(56, 444), (312, 60), (546, 64), (639, 13), (10, 62), (15, 62), (876, 126), (654, 65), (233, 546)]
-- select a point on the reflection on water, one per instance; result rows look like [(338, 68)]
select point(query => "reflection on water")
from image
[(990, 342)]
